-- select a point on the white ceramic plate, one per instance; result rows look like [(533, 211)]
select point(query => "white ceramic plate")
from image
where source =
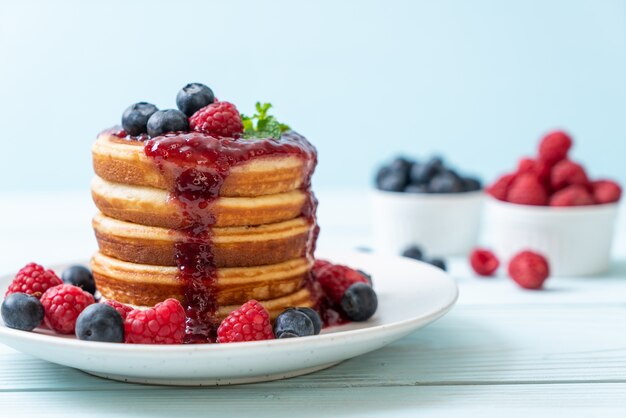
[(410, 294)]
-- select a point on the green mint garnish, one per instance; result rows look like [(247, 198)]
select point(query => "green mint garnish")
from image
[(262, 125)]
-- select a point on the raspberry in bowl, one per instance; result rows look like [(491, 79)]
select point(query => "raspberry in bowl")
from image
[(550, 205), (428, 204)]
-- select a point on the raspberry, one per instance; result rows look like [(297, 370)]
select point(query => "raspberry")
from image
[(484, 262), (33, 280), (528, 190), (122, 309), (219, 119), (251, 322), (537, 167), (568, 173), (572, 196), (163, 324), (500, 188), (554, 147), (606, 191), (63, 304), (529, 269), (335, 279)]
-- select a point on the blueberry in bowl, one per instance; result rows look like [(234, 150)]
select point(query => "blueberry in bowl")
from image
[(432, 175), (426, 201)]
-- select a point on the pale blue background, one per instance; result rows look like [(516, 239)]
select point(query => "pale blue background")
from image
[(478, 81)]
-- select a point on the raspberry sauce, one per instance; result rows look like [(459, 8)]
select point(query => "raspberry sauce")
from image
[(200, 164)]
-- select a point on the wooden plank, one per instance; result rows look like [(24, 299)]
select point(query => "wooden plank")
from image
[(472, 345), (574, 400)]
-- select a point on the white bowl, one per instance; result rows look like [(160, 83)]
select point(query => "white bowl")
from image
[(442, 224), (576, 240)]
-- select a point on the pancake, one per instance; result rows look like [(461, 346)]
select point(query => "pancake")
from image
[(124, 161), (277, 286), (153, 207), (212, 222), (231, 246)]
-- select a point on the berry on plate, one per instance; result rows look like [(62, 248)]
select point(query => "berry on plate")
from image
[(335, 279), (163, 324), (295, 322), (135, 118), (122, 309), (220, 119), (100, 322), (484, 262), (359, 302), (193, 97), (34, 280), (529, 269), (314, 317), (79, 276), (62, 305), (251, 322), (168, 120), (22, 311)]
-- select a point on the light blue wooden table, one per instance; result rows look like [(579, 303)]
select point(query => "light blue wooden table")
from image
[(501, 352)]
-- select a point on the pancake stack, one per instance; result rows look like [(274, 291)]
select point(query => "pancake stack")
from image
[(210, 222)]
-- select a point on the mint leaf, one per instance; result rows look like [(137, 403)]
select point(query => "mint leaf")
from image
[(261, 124)]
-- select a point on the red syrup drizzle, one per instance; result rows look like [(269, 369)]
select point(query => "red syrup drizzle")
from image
[(200, 164), (120, 133)]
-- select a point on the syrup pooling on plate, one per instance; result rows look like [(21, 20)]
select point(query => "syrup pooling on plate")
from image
[(200, 164)]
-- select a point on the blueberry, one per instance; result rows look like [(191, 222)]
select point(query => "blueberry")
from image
[(416, 188), (135, 117), (193, 97), (437, 262), (393, 181), (22, 311), (446, 182), (295, 322), (100, 322), (287, 334), (368, 277), (471, 184), (401, 164), (169, 120), (413, 252), (423, 173), (314, 317), (80, 276), (359, 302), (381, 174)]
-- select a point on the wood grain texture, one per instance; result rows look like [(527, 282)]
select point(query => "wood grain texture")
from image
[(571, 400)]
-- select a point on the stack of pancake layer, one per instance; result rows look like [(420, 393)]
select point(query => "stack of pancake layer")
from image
[(210, 222)]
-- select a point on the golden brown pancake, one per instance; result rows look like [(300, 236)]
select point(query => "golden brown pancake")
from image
[(277, 286), (153, 207), (243, 246), (212, 222), (123, 161)]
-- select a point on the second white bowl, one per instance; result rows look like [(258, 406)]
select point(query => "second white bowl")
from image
[(576, 240)]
